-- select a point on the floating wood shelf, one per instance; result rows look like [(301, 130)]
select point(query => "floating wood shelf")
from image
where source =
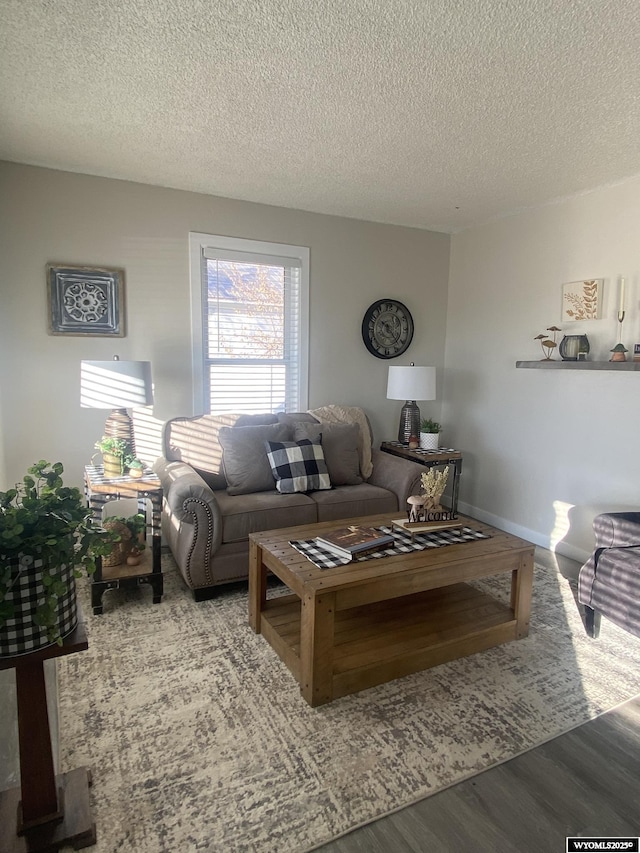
[(580, 365)]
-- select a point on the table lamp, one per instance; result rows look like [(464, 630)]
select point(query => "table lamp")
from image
[(411, 383), (116, 385)]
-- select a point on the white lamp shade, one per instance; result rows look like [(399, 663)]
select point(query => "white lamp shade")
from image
[(115, 384), (411, 383)]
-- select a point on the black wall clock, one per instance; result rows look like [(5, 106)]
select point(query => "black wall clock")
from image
[(387, 328)]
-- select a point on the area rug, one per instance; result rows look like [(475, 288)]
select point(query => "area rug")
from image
[(198, 738)]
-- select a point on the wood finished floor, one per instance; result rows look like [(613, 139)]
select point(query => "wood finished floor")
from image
[(584, 783)]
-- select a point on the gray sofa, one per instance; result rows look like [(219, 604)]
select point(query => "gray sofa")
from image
[(219, 486)]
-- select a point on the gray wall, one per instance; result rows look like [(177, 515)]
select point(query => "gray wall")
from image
[(50, 216), (544, 450)]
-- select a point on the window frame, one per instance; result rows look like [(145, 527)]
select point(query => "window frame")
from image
[(198, 243)]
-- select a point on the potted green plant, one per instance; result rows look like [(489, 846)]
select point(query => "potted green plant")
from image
[(429, 434), (137, 524), (134, 466), (130, 542), (47, 537), (114, 452)]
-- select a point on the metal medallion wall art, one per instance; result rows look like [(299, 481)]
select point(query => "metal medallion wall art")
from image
[(85, 300)]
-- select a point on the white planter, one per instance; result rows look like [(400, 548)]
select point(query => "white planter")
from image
[(429, 440)]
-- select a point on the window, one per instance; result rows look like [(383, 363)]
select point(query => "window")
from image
[(249, 324)]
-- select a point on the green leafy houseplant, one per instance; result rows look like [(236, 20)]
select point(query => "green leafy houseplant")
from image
[(114, 446), (114, 454), (429, 425), (46, 528), (130, 544), (136, 524)]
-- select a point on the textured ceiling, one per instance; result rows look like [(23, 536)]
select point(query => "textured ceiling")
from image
[(438, 114)]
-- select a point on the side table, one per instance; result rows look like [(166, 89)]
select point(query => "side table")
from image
[(431, 459), (46, 812), (98, 491)]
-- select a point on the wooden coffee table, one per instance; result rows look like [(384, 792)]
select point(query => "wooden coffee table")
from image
[(352, 627)]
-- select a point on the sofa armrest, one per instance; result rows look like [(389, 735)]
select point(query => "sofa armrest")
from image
[(400, 476), (192, 522), (617, 529)]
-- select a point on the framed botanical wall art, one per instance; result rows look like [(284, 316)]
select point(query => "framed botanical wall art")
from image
[(85, 300), (582, 300)]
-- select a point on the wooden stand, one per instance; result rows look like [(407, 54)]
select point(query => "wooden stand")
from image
[(47, 812), (99, 491)]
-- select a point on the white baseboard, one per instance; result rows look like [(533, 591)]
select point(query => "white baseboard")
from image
[(534, 536)]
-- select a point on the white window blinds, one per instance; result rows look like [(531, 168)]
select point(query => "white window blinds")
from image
[(253, 334)]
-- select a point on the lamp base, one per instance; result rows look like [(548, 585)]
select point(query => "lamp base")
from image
[(409, 422), (120, 425)]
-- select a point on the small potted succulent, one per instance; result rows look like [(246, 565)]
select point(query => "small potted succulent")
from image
[(429, 434), (135, 467)]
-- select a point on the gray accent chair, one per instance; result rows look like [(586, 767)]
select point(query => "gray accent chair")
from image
[(609, 582)]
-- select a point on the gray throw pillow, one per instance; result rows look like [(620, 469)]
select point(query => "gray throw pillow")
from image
[(244, 456), (340, 446)]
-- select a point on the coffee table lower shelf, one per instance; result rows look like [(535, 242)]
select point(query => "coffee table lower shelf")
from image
[(379, 642)]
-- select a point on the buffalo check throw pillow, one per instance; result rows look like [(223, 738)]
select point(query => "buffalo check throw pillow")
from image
[(298, 466)]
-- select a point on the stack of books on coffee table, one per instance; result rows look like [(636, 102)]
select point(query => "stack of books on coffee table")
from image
[(354, 541)]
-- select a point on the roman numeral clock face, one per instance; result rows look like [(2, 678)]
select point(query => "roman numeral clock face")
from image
[(387, 328)]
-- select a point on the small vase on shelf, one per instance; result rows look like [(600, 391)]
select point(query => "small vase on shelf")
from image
[(574, 347)]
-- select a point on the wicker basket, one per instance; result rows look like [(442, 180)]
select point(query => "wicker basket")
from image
[(120, 549)]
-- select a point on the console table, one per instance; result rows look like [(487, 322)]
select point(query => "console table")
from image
[(46, 812), (99, 490), (431, 459)]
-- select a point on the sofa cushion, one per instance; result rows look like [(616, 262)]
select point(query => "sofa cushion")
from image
[(298, 466), (195, 441), (336, 414), (340, 446), (351, 501), (246, 466), (245, 514)]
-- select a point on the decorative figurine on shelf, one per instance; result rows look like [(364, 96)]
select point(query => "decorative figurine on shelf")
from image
[(547, 344), (416, 507), (619, 351), (414, 442)]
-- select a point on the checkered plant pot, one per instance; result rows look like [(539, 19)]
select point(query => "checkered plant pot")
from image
[(20, 635)]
